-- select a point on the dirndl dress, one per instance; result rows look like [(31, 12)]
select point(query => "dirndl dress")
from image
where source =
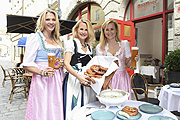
[(76, 95), (120, 79), (45, 100)]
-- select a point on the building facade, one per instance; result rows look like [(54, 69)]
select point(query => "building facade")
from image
[(156, 21)]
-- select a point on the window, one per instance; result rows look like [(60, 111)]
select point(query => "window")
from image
[(170, 4), (147, 7), (97, 14)]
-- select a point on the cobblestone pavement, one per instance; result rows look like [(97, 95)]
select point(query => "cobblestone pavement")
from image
[(17, 109)]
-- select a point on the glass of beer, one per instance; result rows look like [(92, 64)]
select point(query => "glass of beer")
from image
[(133, 55), (51, 58)]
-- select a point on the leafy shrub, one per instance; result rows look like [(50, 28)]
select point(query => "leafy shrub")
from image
[(172, 61)]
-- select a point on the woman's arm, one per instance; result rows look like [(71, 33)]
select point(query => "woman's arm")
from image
[(46, 72), (69, 68), (128, 62)]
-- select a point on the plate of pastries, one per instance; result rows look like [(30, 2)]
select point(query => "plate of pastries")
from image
[(128, 113)]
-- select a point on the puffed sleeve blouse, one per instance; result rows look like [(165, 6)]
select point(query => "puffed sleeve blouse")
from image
[(99, 52), (31, 48), (69, 47)]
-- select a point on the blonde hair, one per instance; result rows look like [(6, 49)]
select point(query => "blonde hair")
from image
[(91, 35), (41, 23), (103, 39)]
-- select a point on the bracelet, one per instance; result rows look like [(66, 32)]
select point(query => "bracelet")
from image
[(41, 72)]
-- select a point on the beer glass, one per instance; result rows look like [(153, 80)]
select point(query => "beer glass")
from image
[(51, 59), (133, 55)]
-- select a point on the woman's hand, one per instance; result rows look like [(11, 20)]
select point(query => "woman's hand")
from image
[(137, 57), (85, 80), (62, 62), (49, 71)]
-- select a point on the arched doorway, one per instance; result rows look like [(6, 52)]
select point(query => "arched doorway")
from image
[(91, 11)]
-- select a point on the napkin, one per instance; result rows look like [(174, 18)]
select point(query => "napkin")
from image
[(105, 61)]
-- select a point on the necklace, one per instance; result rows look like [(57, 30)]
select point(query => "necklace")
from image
[(47, 36), (43, 45), (83, 45)]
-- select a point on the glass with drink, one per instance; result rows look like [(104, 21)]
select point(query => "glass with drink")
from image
[(134, 53), (51, 59)]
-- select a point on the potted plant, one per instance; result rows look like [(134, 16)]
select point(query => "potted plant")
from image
[(172, 67)]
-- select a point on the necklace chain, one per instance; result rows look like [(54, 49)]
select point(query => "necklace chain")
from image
[(83, 45), (47, 36)]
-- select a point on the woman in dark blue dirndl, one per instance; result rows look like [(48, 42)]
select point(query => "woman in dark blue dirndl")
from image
[(78, 53)]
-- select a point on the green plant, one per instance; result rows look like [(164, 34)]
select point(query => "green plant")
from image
[(171, 64), (172, 61)]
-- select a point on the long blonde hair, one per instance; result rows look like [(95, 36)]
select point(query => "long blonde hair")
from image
[(103, 39), (41, 24), (91, 35)]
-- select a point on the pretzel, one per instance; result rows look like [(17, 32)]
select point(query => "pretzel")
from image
[(94, 76), (95, 67), (103, 68), (89, 71), (57, 60), (132, 111), (100, 72), (90, 79)]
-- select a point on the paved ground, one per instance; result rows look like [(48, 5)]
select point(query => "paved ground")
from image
[(17, 109)]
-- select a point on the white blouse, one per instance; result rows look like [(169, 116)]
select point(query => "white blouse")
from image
[(32, 46), (69, 47), (99, 52)]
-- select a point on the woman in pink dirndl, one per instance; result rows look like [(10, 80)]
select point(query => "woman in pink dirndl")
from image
[(45, 100), (111, 45)]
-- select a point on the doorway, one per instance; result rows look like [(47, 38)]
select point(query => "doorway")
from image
[(149, 40)]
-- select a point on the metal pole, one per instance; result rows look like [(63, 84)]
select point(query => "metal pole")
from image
[(58, 4)]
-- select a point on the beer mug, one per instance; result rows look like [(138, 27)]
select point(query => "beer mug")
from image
[(51, 60), (133, 55)]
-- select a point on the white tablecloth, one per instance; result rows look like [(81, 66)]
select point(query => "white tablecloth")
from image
[(80, 113), (148, 70), (170, 98)]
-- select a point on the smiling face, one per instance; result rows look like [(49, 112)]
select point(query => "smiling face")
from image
[(110, 31), (50, 22), (82, 32)]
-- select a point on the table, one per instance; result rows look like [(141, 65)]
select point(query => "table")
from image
[(80, 113), (170, 98), (28, 77), (150, 71)]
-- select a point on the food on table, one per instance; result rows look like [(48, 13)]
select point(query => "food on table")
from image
[(132, 111), (124, 114)]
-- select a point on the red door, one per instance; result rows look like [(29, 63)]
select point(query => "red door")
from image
[(127, 32)]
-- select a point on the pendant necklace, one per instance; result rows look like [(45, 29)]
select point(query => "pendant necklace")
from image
[(83, 45), (47, 36)]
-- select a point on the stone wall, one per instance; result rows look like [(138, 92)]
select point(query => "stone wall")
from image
[(112, 8), (176, 41)]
